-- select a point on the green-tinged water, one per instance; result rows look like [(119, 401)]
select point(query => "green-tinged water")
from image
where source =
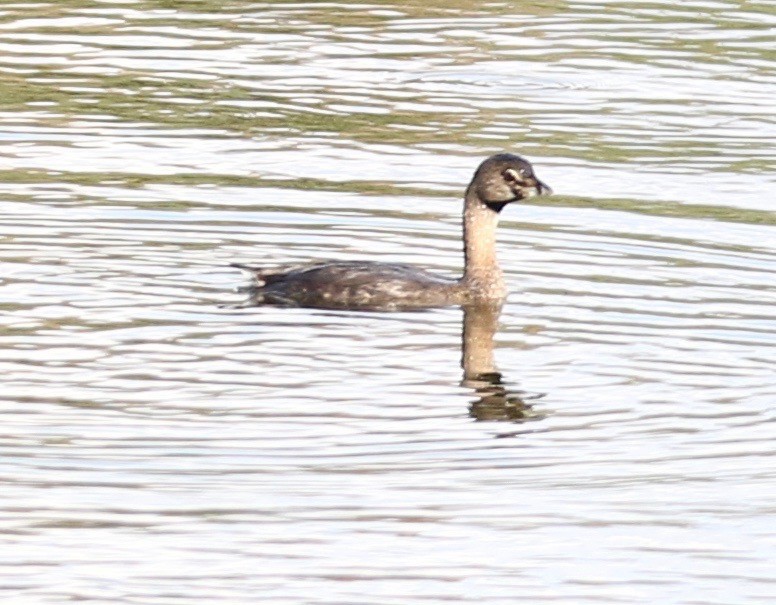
[(157, 447)]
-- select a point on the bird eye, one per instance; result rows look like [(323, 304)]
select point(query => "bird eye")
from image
[(515, 175)]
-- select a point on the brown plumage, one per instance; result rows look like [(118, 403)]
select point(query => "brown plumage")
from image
[(499, 180)]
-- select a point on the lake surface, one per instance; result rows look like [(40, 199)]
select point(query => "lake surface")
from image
[(158, 448)]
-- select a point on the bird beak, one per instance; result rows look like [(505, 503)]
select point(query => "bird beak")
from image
[(542, 189), (536, 189)]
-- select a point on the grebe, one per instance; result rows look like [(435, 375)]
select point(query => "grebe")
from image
[(357, 285)]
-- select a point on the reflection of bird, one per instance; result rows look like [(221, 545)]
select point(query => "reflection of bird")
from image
[(496, 400), (499, 180)]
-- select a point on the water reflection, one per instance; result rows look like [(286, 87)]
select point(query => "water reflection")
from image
[(321, 457), (496, 399)]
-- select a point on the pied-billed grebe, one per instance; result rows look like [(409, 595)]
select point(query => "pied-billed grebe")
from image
[(499, 180)]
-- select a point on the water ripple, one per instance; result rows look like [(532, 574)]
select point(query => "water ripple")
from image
[(287, 455)]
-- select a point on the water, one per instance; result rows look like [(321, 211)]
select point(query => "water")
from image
[(157, 448)]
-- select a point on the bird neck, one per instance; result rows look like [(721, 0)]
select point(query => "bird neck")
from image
[(479, 245)]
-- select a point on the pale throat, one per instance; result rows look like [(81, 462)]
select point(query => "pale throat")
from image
[(479, 237)]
